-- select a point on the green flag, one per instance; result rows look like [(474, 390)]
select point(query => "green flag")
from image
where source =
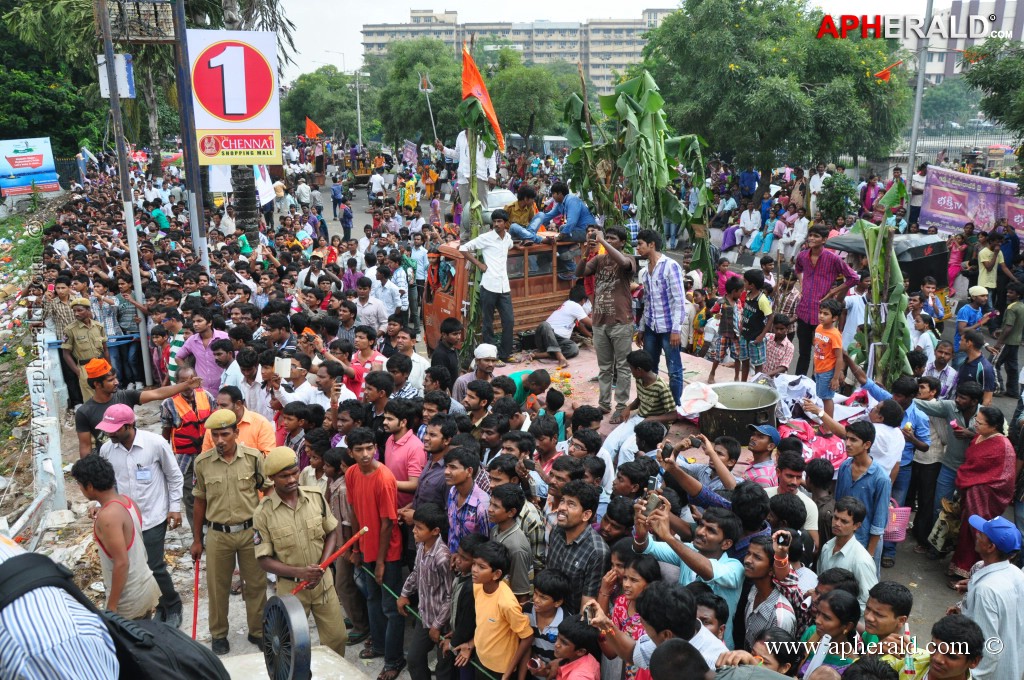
[(896, 194)]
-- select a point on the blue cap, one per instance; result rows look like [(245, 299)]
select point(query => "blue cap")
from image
[(768, 431), (1001, 531)]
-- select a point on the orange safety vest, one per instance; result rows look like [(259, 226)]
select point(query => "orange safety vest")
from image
[(188, 439)]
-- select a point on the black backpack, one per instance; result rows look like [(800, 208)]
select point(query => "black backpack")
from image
[(145, 649)]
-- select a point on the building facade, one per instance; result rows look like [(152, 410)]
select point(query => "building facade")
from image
[(603, 46), (944, 54)]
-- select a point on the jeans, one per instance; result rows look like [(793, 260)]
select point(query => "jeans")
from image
[(899, 494), (613, 343), (387, 626), (549, 342), (671, 233), (153, 540), (944, 487), (1018, 515), (128, 357), (503, 302), (805, 337), (655, 344), (519, 232), (335, 202)]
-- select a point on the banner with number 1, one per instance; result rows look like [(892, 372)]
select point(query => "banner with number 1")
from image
[(235, 96)]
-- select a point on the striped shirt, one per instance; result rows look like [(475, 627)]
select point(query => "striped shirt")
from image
[(60, 313), (107, 316), (655, 399), (818, 280), (468, 518), (177, 341), (431, 578), (47, 635), (946, 377), (664, 297)]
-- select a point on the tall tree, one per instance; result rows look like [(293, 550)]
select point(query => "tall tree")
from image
[(751, 78), (996, 68), (951, 100), (326, 96), (526, 98), (402, 109)]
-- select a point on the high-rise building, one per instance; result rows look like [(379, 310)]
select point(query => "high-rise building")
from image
[(944, 54), (603, 46)]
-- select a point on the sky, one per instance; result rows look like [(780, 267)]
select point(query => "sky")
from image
[(316, 48)]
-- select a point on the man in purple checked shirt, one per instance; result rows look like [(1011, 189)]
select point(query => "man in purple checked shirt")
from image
[(197, 347), (818, 269), (664, 307)]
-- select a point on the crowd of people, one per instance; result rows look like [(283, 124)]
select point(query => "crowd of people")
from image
[(497, 526)]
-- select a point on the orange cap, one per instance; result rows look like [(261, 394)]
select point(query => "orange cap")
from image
[(97, 368)]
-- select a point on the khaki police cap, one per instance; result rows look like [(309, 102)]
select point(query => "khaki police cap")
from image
[(279, 458), (221, 418)]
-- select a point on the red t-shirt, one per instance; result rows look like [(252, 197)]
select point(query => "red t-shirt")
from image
[(373, 497)]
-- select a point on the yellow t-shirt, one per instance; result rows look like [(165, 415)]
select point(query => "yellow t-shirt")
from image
[(987, 277), (500, 625)]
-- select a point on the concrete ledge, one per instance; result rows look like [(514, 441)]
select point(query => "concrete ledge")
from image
[(324, 661)]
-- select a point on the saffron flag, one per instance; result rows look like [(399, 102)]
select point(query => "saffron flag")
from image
[(312, 129), (886, 72), (473, 86)]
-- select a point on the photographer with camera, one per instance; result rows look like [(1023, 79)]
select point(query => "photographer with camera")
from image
[(705, 559)]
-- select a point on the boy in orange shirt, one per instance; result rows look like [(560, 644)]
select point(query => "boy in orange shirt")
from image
[(828, 353)]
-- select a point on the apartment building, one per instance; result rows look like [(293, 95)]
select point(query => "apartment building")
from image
[(603, 46), (1002, 17)]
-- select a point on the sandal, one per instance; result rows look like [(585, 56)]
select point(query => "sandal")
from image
[(616, 418), (922, 549), (393, 672), (888, 562), (368, 653)]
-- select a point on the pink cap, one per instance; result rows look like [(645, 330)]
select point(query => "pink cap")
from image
[(116, 417)]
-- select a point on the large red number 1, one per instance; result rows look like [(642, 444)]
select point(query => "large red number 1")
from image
[(231, 63)]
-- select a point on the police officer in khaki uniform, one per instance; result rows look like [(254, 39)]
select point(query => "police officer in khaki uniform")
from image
[(295, 532), (228, 478), (84, 340)]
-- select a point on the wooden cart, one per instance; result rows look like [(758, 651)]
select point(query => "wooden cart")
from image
[(532, 272)]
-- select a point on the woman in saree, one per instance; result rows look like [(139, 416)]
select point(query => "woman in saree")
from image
[(985, 481)]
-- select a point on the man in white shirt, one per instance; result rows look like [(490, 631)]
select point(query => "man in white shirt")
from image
[(486, 168), (815, 186), (495, 290), (147, 472), (844, 550), (793, 239), (303, 194), (856, 307), (376, 184), (328, 392), (554, 336), (227, 222), (917, 183), (750, 223)]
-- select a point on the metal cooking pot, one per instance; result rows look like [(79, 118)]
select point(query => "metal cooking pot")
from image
[(739, 405)]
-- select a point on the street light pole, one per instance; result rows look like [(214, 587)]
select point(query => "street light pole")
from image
[(126, 190), (922, 61), (359, 113)]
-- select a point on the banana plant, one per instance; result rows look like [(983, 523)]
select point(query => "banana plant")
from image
[(888, 336)]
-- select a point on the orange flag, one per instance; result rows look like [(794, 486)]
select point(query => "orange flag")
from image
[(473, 86), (312, 129), (886, 72)]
